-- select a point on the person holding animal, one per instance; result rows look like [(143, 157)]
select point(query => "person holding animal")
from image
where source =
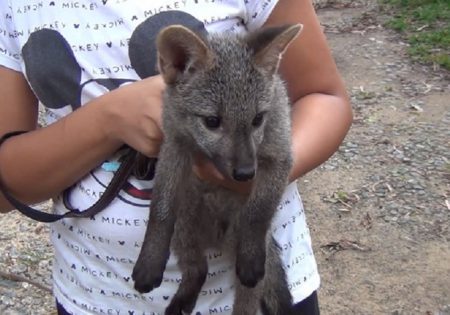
[(79, 62)]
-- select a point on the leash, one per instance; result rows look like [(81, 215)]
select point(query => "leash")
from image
[(143, 168)]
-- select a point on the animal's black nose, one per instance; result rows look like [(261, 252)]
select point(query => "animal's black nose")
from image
[(244, 173)]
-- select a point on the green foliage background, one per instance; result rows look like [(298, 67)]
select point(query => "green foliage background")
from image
[(426, 26)]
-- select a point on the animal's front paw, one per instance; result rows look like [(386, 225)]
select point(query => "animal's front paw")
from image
[(148, 274), (250, 268)]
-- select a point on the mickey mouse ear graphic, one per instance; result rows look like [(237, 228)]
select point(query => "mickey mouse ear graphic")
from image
[(142, 47), (52, 69), (55, 75)]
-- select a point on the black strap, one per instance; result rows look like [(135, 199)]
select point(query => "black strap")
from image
[(116, 184), (111, 191)]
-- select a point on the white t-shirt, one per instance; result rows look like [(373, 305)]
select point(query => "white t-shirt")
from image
[(77, 51)]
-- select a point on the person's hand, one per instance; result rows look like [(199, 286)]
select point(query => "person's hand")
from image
[(134, 117), (206, 171)]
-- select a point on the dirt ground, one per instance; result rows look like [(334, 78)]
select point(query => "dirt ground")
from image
[(379, 209)]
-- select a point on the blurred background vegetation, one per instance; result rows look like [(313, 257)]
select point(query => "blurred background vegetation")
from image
[(425, 24)]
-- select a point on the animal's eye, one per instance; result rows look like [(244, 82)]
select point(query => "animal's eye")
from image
[(212, 122), (258, 119)]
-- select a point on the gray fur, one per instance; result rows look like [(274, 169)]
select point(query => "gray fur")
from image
[(234, 78)]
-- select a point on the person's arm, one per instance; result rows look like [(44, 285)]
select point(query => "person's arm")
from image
[(322, 113), (41, 163)]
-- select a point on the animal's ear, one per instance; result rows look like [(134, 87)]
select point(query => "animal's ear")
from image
[(269, 44), (181, 51)]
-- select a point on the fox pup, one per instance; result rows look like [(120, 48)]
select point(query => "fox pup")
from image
[(224, 100)]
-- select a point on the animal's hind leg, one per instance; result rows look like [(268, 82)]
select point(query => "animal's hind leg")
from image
[(194, 267), (276, 297), (246, 300)]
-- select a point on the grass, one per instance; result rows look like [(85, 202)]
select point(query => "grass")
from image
[(426, 26)]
